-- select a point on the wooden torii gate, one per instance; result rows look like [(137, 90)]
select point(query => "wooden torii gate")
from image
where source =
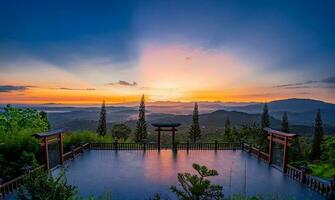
[(167, 127), (282, 138), (49, 138)]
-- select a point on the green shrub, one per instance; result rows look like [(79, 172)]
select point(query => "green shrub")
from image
[(198, 187), (121, 131), (42, 185), (81, 137), (322, 170)]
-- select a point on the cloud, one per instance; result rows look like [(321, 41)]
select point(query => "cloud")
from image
[(14, 88), (306, 84), (123, 83), (65, 88)]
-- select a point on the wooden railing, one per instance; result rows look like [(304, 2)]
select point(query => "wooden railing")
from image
[(208, 146), (294, 173), (255, 152), (317, 184), (14, 184), (75, 151), (123, 146)]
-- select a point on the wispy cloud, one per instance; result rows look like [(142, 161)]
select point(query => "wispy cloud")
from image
[(123, 83), (307, 84), (14, 88), (66, 88)]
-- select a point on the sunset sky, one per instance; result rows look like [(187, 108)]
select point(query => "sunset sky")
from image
[(80, 52)]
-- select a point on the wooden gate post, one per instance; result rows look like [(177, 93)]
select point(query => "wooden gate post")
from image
[(270, 149)]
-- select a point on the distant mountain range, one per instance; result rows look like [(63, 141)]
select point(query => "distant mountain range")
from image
[(301, 113)]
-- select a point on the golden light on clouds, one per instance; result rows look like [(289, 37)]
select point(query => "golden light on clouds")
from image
[(162, 73)]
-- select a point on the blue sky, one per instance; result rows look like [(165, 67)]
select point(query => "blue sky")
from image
[(284, 42)]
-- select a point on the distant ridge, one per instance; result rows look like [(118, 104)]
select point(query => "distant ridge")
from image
[(289, 105)]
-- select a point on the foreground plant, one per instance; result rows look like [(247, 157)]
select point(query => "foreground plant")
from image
[(42, 185), (197, 187)]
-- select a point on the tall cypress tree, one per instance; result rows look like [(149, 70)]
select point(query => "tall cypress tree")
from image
[(284, 123), (318, 136), (227, 130), (265, 116), (102, 127), (141, 125), (195, 132), (265, 122)]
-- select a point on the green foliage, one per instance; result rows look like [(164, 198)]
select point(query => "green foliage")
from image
[(141, 125), (295, 152), (13, 120), (102, 126), (17, 146), (284, 123), (328, 150), (194, 187), (44, 117), (42, 185), (121, 131), (249, 133), (81, 137), (323, 170), (318, 136), (195, 132)]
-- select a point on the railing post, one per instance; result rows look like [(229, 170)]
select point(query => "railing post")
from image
[(303, 171), (188, 145), (144, 146), (215, 145), (258, 153), (115, 145), (72, 150)]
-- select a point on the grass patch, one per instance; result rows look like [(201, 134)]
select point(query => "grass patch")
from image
[(322, 170)]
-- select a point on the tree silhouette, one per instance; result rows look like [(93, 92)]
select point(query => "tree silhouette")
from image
[(102, 127), (284, 123), (262, 137), (265, 116), (227, 130), (318, 136), (141, 125), (195, 132)]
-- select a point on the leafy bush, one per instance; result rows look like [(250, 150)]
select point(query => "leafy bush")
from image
[(198, 187), (121, 131), (42, 185), (322, 170), (14, 120), (328, 150), (81, 137), (17, 146)]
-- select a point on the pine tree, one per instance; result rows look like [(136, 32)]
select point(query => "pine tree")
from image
[(265, 116), (262, 137), (44, 117), (227, 130), (318, 136), (284, 123), (102, 127), (195, 132), (141, 125)]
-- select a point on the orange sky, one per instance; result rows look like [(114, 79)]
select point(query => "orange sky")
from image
[(162, 73)]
